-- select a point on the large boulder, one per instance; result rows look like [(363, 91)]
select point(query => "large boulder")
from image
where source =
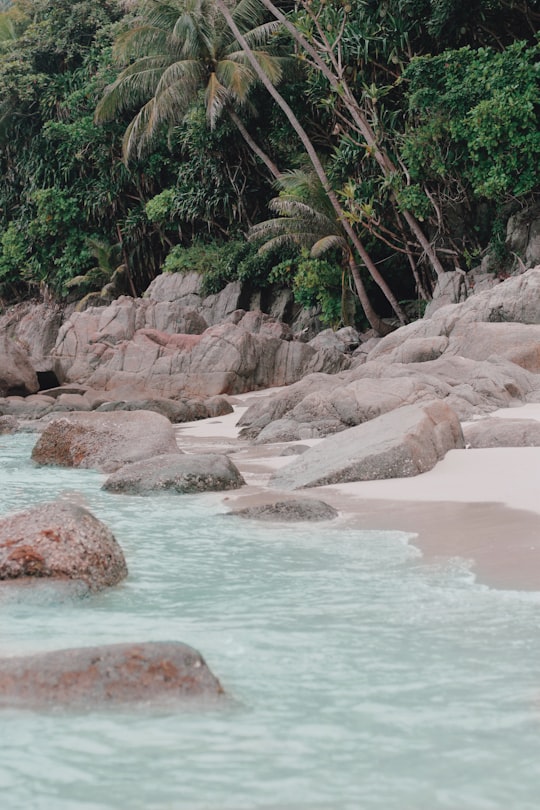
[(402, 443), (322, 404), (96, 677), (495, 322), (34, 327), (493, 432), (17, 375), (63, 541), (230, 358), (104, 441), (190, 472)]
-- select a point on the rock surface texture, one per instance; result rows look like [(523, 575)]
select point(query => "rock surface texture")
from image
[(124, 345), (61, 541), (188, 472), (405, 442), (289, 511), (17, 375), (96, 677), (104, 441), (493, 432)]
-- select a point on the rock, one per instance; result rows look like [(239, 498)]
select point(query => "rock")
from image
[(34, 327), (176, 410), (402, 443), (62, 541), (32, 407), (289, 511), (523, 236), (96, 677), (218, 406), (188, 472), (294, 450), (225, 359), (17, 375), (493, 432), (8, 424), (104, 441), (71, 402), (321, 404)]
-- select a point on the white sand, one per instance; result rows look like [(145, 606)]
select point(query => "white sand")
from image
[(482, 504)]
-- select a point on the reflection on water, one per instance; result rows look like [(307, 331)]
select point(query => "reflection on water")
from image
[(362, 678)]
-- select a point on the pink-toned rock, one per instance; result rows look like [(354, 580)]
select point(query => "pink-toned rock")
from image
[(115, 347), (104, 441), (96, 677), (63, 541), (17, 375)]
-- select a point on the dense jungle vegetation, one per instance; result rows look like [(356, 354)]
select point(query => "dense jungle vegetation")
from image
[(352, 150)]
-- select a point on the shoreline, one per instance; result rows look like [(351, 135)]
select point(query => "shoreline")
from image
[(482, 505)]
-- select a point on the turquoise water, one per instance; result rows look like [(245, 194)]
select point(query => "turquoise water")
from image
[(362, 678)]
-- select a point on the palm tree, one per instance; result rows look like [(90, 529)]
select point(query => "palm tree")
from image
[(340, 213), (307, 219), (178, 48), (332, 67)]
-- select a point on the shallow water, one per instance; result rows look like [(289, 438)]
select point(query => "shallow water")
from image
[(361, 677)]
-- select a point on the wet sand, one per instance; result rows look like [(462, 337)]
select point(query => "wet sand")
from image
[(481, 505)]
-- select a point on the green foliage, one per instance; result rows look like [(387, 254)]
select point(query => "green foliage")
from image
[(222, 262), (318, 282), (475, 116)]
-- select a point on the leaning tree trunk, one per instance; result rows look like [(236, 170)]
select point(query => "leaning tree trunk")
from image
[(345, 93), (255, 148), (376, 321)]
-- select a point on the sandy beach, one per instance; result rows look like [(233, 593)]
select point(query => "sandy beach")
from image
[(481, 505)]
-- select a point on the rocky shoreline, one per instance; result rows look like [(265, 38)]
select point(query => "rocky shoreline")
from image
[(339, 411)]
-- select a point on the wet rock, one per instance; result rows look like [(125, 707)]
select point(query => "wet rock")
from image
[(60, 540), (402, 443), (493, 432), (187, 472), (8, 424), (96, 677), (104, 441), (289, 511)]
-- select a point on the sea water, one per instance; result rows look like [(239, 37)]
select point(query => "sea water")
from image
[(360, 676)]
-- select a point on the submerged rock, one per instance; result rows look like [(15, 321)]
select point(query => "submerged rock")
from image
[(190, 472), (104, 441), (95, 677), (294, 510), (60, 540), (8, 424)]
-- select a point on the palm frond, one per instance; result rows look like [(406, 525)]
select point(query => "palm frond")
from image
[(288, 207), (216, 96), (136, 135), (272, 65), (133, 87), (236, 77), (247, 13), (330, 242)]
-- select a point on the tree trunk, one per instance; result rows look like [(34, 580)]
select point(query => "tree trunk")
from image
[(270, 165), (346, 94), (317, 165)]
